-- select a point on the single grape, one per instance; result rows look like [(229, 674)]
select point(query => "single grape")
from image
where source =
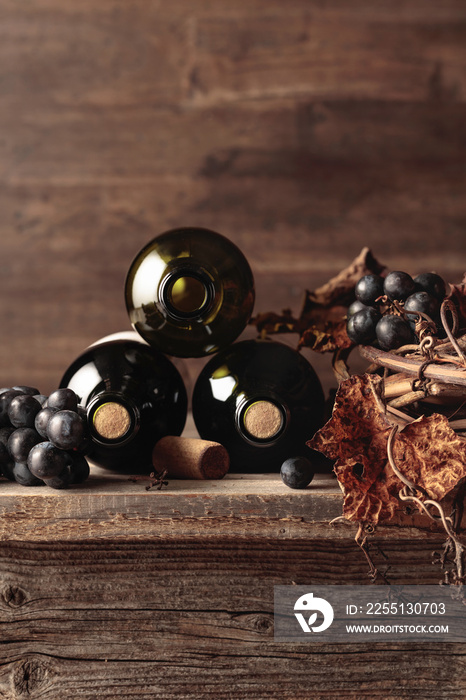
[(21, 442), (422, 302), (5, 400), (297, 472), (354, 308), (431, 283), (46, 461), (398, 286), (393, 332), (65, 430), (61, 480), (63, 399), (5, 434), (23, 475), (42, 419), (79, 468), (368, 289), (361, 327), (23, 410), (76, 471), (31, 390)]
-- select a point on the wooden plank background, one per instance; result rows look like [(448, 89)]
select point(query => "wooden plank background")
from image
[(301, 130)]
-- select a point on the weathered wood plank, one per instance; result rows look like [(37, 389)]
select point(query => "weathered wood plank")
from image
[(179, 619), (399, 675)]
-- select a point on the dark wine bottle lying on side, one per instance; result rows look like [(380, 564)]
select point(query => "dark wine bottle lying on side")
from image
[(132, 396), (262, 400), (189, 292)]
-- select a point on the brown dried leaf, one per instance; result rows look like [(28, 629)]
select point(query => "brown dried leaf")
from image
[(356, 436), (321, 323), (339, 291), (270, 322), (426, 451), (430, 454), (333, 338)]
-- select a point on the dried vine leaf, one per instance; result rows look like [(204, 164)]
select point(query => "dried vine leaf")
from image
[(427, 451), (430, 454), (339, 291), (333, 337), (320, 323), (356, 436)]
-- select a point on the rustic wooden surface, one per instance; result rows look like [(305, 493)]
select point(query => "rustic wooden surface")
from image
[(301, 130), (113, 591)]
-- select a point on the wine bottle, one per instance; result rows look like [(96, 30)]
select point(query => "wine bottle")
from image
[(132, 396), (189, 292), (262, 400)]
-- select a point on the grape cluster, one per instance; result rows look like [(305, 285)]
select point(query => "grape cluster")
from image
[(386, 309), (43, 440)]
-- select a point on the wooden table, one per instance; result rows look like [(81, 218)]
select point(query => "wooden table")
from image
[(112, 591)]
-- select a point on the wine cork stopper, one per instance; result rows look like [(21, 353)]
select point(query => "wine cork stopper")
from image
[(263, 420), (111, 420), (190, 458)]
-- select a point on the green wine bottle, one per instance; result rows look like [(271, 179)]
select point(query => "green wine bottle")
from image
[(262, 400), (132, 396), (189, 292)]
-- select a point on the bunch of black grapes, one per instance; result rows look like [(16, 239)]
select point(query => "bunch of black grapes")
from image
[(386, 309), (43, 440)]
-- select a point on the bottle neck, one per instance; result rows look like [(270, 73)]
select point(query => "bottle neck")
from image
[(261, 420), (187, 293), (113, 419)]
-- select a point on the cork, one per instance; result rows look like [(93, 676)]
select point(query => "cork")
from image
[(263, 420), (111, 420), (190, 458)]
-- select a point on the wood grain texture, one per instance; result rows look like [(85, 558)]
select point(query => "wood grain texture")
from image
[(301, 131), (109, 590)]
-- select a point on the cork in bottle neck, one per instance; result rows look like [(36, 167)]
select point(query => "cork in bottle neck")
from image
[(263, 420), (111, 420)]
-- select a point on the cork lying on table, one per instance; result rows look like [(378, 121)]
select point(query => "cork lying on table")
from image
[(190, 458)]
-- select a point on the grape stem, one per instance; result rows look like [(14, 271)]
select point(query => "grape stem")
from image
[(447, 305)]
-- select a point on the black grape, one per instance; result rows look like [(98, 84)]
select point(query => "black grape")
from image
[(78, 467), (431, 283), (63, 399), (6, 398), (354, 308), (46, 461), (361, 326), (368, 289), (42, 419), (65, 430), (5, 434), (61, 480), (31, 390), (21, 442), (398, 286), (422, 302), (23, 475), (297, 472), (393, 332), (23, 410)]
